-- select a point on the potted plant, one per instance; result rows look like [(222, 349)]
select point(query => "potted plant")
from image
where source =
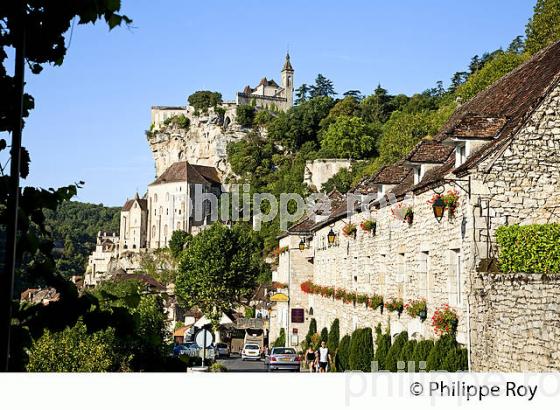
[(306, 286), (403, 213), (417, 308), (445, 320), (395, 305), (451, 199), (376, 301), (349, 230), (409, 215), (369, 225), (362, 298), (340, 294)]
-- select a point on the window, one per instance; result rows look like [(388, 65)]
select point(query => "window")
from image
[(401, 268), (155, 197), (423, 273), (153, 231), (417, 174), (460, 155), (454, 280), (298, 315)]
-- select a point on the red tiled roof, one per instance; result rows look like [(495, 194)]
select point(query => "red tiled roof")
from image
[(185, 172)]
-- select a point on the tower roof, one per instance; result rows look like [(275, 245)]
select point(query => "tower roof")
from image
[(287, 64)]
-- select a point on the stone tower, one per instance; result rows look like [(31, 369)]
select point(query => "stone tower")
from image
[(288, 81)]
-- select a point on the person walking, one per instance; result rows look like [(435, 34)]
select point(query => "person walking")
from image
[(324, 357), (310, 359)]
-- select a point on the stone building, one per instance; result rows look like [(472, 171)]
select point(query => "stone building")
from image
[(319, 171), (173, 199), (268, 94), (133, 226), (499, 153), (106, 248)]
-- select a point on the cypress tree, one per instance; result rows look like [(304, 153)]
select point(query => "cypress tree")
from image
[(312, 330), (456, 360), (343, 354), (395, 351), (324, 335), (439, 352), (334, 336), (421, 352), (361, 350), (407, 352), (383, 344)]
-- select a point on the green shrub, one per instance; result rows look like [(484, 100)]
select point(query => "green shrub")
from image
[(530, 248), (312, 330), (361, 350), (421, 352), (383, 344), (324, 335), (217, 368), (395, 351), (281, 339), (179, 120), (439, 352), (202, 100), (342, 357), (456, 360), (407, 352), (334, 336), (245, 115)]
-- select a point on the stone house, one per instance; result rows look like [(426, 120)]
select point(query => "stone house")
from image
[(106, 248), (133, 225), (499, 154)]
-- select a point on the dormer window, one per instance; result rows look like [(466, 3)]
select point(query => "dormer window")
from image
[(460, 154), (417, 174), (380, 191)]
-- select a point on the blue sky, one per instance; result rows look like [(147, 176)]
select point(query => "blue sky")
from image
[(91, 113)]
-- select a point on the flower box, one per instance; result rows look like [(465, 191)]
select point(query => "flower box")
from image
[(417, 308), (369, 225)]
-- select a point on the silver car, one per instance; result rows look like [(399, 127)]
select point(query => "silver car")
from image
[(282, 358)]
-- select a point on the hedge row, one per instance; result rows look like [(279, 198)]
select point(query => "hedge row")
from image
[(529, 249)]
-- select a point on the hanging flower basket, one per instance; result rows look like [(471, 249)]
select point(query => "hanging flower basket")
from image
[(369, 225), (403, 213), (395, 305), (349, 230), (445, 320), (375, 301), (450, 199), (417, 308)]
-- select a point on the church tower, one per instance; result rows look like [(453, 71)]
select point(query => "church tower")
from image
[(288, 82)]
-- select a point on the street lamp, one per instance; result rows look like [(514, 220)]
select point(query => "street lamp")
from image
[(439, 208), (331, 237), (302, 245)]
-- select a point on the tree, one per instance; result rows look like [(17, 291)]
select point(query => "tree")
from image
[(421, 353), (395, 351), (324, 335), (544, 27), (178, 242), (361, 350), (517, 45), (302, 93), (220, 268), (245, 115), (334, 337), (356, 94), (458, 79), (342, 356), (281, 339), (456, 360), (202, 100), (437, 355), (45, 25), (378, 106), (76, 350), (323, 87), (407, 352), (341, 181), (349, 137), (383, 344), (312, 330)]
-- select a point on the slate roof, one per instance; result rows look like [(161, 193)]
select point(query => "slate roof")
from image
[(430, 152), (185, 172), (143, 203)]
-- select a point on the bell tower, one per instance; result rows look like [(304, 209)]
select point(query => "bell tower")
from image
[(288, 81)]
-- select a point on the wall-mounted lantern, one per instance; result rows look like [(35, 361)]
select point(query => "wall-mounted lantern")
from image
[(331, 237), (302, 245), (439, 208)]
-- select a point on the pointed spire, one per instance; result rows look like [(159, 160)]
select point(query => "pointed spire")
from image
[(287, 64)]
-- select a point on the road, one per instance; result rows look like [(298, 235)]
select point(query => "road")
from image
[(235, 364)]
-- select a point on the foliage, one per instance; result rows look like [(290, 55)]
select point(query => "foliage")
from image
[(395, 305), (263, 118), (281, 339), (342, 357), (529, 248), (395, 351), (361, 350), (407, 353), (416, 308), (375, 301), (456, 360), (323, 87), (74, 227), (544, 27), (421, 352), (444, 320), (218, 368), (324, 335), (341, 181), (439, 352), (202, 100), (450, 200), (76, 350), (179, 121), (383, 344), (312, 329), (220, 268), (349, 137), (349, 229), (179, 242), (334, 336), (368, 225), (160, 265), (403, 213), (245, 115)]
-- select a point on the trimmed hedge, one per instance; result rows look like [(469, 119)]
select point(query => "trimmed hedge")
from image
[(407, 352), (342, 358), (529, 249), (439, 352), (395, 351), (421, 352), (361, 350)]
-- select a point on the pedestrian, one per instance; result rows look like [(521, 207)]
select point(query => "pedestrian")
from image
[(310, 358), (324, 357)]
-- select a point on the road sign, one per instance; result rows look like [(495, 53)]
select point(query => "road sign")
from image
[(204, 338)]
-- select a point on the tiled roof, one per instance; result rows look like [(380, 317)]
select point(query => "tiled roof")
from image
[(430, 152), (391, 174), (477, 126), (185, 172), (143, 203)]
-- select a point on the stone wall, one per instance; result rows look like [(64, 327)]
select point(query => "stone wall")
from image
[(515, 322), (319, 171)]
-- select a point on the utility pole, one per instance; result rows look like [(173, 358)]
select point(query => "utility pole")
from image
[(8, 268)]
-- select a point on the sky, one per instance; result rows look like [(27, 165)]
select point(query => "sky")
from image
[(91, 113)]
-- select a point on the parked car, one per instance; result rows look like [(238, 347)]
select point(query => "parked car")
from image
[(251, 352), (282, 358), (223, 350), (189, 348)]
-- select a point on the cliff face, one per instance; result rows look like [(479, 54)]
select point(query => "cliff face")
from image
[(203, 143)]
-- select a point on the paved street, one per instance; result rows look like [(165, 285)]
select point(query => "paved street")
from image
[(235, 364)]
